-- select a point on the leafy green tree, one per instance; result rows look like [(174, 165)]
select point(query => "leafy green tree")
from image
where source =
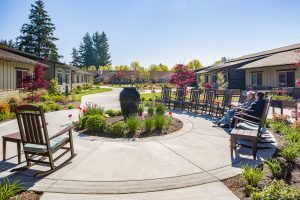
[(122, 68), (222, 84), (86, 50), (8, 43), (106, 67), (135, 66), (76, 59), (101, 47), (37, 37), (159, 67), (194, 64), (163, 67)]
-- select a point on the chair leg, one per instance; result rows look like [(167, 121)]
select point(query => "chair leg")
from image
[(4, 149), (254, 146), (19, 152), (51, 160), (71, 143), (233, 144)]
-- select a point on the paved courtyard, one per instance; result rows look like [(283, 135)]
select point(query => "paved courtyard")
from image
[(187, 164)]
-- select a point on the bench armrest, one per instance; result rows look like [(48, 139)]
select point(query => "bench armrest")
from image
[(67, 129)]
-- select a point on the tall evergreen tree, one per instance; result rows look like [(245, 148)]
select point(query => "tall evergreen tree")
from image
[(37, 37), (76, 59), (101, 47), (8, 43), (86, 50)]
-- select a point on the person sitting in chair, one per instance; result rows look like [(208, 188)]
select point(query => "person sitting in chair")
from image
[(256, 109), (224, 122)]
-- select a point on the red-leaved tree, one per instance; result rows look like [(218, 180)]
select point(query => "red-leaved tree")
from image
[(119, 75), (35, 81), (182, 76)]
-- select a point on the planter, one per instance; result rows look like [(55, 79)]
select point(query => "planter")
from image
[(129, 100)]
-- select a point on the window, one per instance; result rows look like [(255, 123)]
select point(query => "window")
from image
[(206, 79), (214, 78), (67, 78), (286, 79), (226, 76), (72, 78), (78, 80), (59, 78), (256, 79), (20, 75)]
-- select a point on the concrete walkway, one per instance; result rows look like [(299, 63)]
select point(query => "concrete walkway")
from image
[(187, 164)]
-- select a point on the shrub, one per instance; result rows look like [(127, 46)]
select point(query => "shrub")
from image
[(132, 123), (278, 126), (53, 87), (275, 167), (159, 121), (13, 101), (95, 123), (252, 175), (82, 120), (9, 189), (4, 108), (149, 123), (141, 109), (71, 106), (290, 152), (161, 109), (297, 124), (118, 129), (292, 136), (280, 118), (143, 99), (151, 110), (113, 113), (268, 123), (93, 110), (276, 190)]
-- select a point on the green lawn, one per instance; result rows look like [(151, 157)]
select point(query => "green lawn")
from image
[(77, 97), (148, 96)]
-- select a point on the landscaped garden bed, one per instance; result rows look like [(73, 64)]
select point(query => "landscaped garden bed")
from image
[(95, 121), (278, 177)]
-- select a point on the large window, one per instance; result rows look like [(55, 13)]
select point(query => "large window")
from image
[(214, 78), (256, 79), (20, 75), (78, 78), (206, 79), (286, 78), (67, 76), (59, 78)]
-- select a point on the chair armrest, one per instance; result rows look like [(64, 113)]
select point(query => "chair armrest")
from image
[(245, 120), (68, 128), (251, 116)]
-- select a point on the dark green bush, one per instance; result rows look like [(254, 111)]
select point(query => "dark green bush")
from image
[(71, 106), (151, 110), (141, 109), (117, 129), (92, 110), (290, 152), (161, 109), (95, 123)]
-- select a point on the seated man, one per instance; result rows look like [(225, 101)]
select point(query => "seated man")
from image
[(230, 113), (256, 109)]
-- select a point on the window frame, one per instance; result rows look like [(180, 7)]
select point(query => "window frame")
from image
[(256, 83), (23, 76), (285, 72)]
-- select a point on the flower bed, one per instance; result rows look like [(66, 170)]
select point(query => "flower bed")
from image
[(279, 177), (93, 120)]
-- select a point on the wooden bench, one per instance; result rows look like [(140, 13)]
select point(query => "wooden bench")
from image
[(13, 137)]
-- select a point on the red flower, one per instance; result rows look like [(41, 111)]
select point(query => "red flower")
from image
[(170, 113), (70, 115), (95, 105), (276, 91), (83, 110), (79, 108)]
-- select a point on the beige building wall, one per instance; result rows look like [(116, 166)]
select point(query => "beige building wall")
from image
[(8, 73), (270, 74)]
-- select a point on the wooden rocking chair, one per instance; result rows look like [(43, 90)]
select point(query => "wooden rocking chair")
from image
[(37, 145)]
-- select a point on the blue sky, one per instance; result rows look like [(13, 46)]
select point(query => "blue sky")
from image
[(165, 31)]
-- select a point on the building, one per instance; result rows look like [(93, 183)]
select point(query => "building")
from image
[(262, 70), (61, 71)]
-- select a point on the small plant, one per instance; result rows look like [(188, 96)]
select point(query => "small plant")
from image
[(143, 99), (71, 106), (268, 123), (149, 124), (252, 176), (160, 121), (92, 109), (132, 123), (275, 167), (280, 118), (9, 189), (113, 113), (278, 126), (151, 110), (161, 109), (277, 190), (95, 123), (292, 136), (141, 109), (290, 152), (117, 129), (4, 108), (282, 97), (53, 87)]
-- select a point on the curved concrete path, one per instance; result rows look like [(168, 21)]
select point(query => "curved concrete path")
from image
[(194, 159)]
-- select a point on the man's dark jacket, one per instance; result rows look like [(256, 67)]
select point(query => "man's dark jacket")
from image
[(257, 107)]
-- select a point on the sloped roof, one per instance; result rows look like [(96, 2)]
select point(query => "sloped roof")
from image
[(284, 58), (5, 55)]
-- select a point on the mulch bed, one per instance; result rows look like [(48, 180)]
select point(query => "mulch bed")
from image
[(175, 125), (27, 195), (291, 175)]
